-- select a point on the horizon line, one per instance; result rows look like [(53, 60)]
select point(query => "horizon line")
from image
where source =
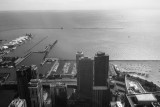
[(14, 10)]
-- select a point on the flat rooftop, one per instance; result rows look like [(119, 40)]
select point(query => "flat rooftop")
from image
[(146, 98)]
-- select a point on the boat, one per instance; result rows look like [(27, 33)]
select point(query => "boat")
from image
[(14, 48)]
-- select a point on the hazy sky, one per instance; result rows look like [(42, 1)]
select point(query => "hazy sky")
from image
[(76, 4)]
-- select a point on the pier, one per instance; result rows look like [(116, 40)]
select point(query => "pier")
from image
[(49, 48)]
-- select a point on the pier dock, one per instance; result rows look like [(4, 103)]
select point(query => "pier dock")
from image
[(49, 48)]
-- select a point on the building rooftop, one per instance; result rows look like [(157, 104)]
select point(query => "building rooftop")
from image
[(79, 53), (99, 53), (146, 98), (142, 100)]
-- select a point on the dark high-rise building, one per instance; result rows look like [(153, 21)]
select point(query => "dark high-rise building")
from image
[(100, 96), (58, 95), (86, 77), (101, 67), (35, 88), (100, 92), (23, 78), (78, 56), (52, 94)]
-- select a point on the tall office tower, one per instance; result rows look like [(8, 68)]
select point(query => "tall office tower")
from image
[(78, 56), (100, 96), (101, 67), (52, 94), (18, 103), (23, 77), (86, 77), (58, 95), (36, 90)]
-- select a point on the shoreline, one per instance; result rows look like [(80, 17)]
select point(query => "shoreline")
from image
[(147, 85)]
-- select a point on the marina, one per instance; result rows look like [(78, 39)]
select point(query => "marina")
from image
[(12, 45)]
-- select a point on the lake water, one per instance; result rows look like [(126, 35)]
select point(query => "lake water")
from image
[(123, 34)]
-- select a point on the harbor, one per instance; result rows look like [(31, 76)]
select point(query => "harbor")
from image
[(12, 45), (40, 65), (51, 67)]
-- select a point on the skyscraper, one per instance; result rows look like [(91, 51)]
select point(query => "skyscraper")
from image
[(100, 96), (100, 92), (59, 95), (23, 77), (35, 88), (85, 67), (78, 56), (52, 91), (101, 67)]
